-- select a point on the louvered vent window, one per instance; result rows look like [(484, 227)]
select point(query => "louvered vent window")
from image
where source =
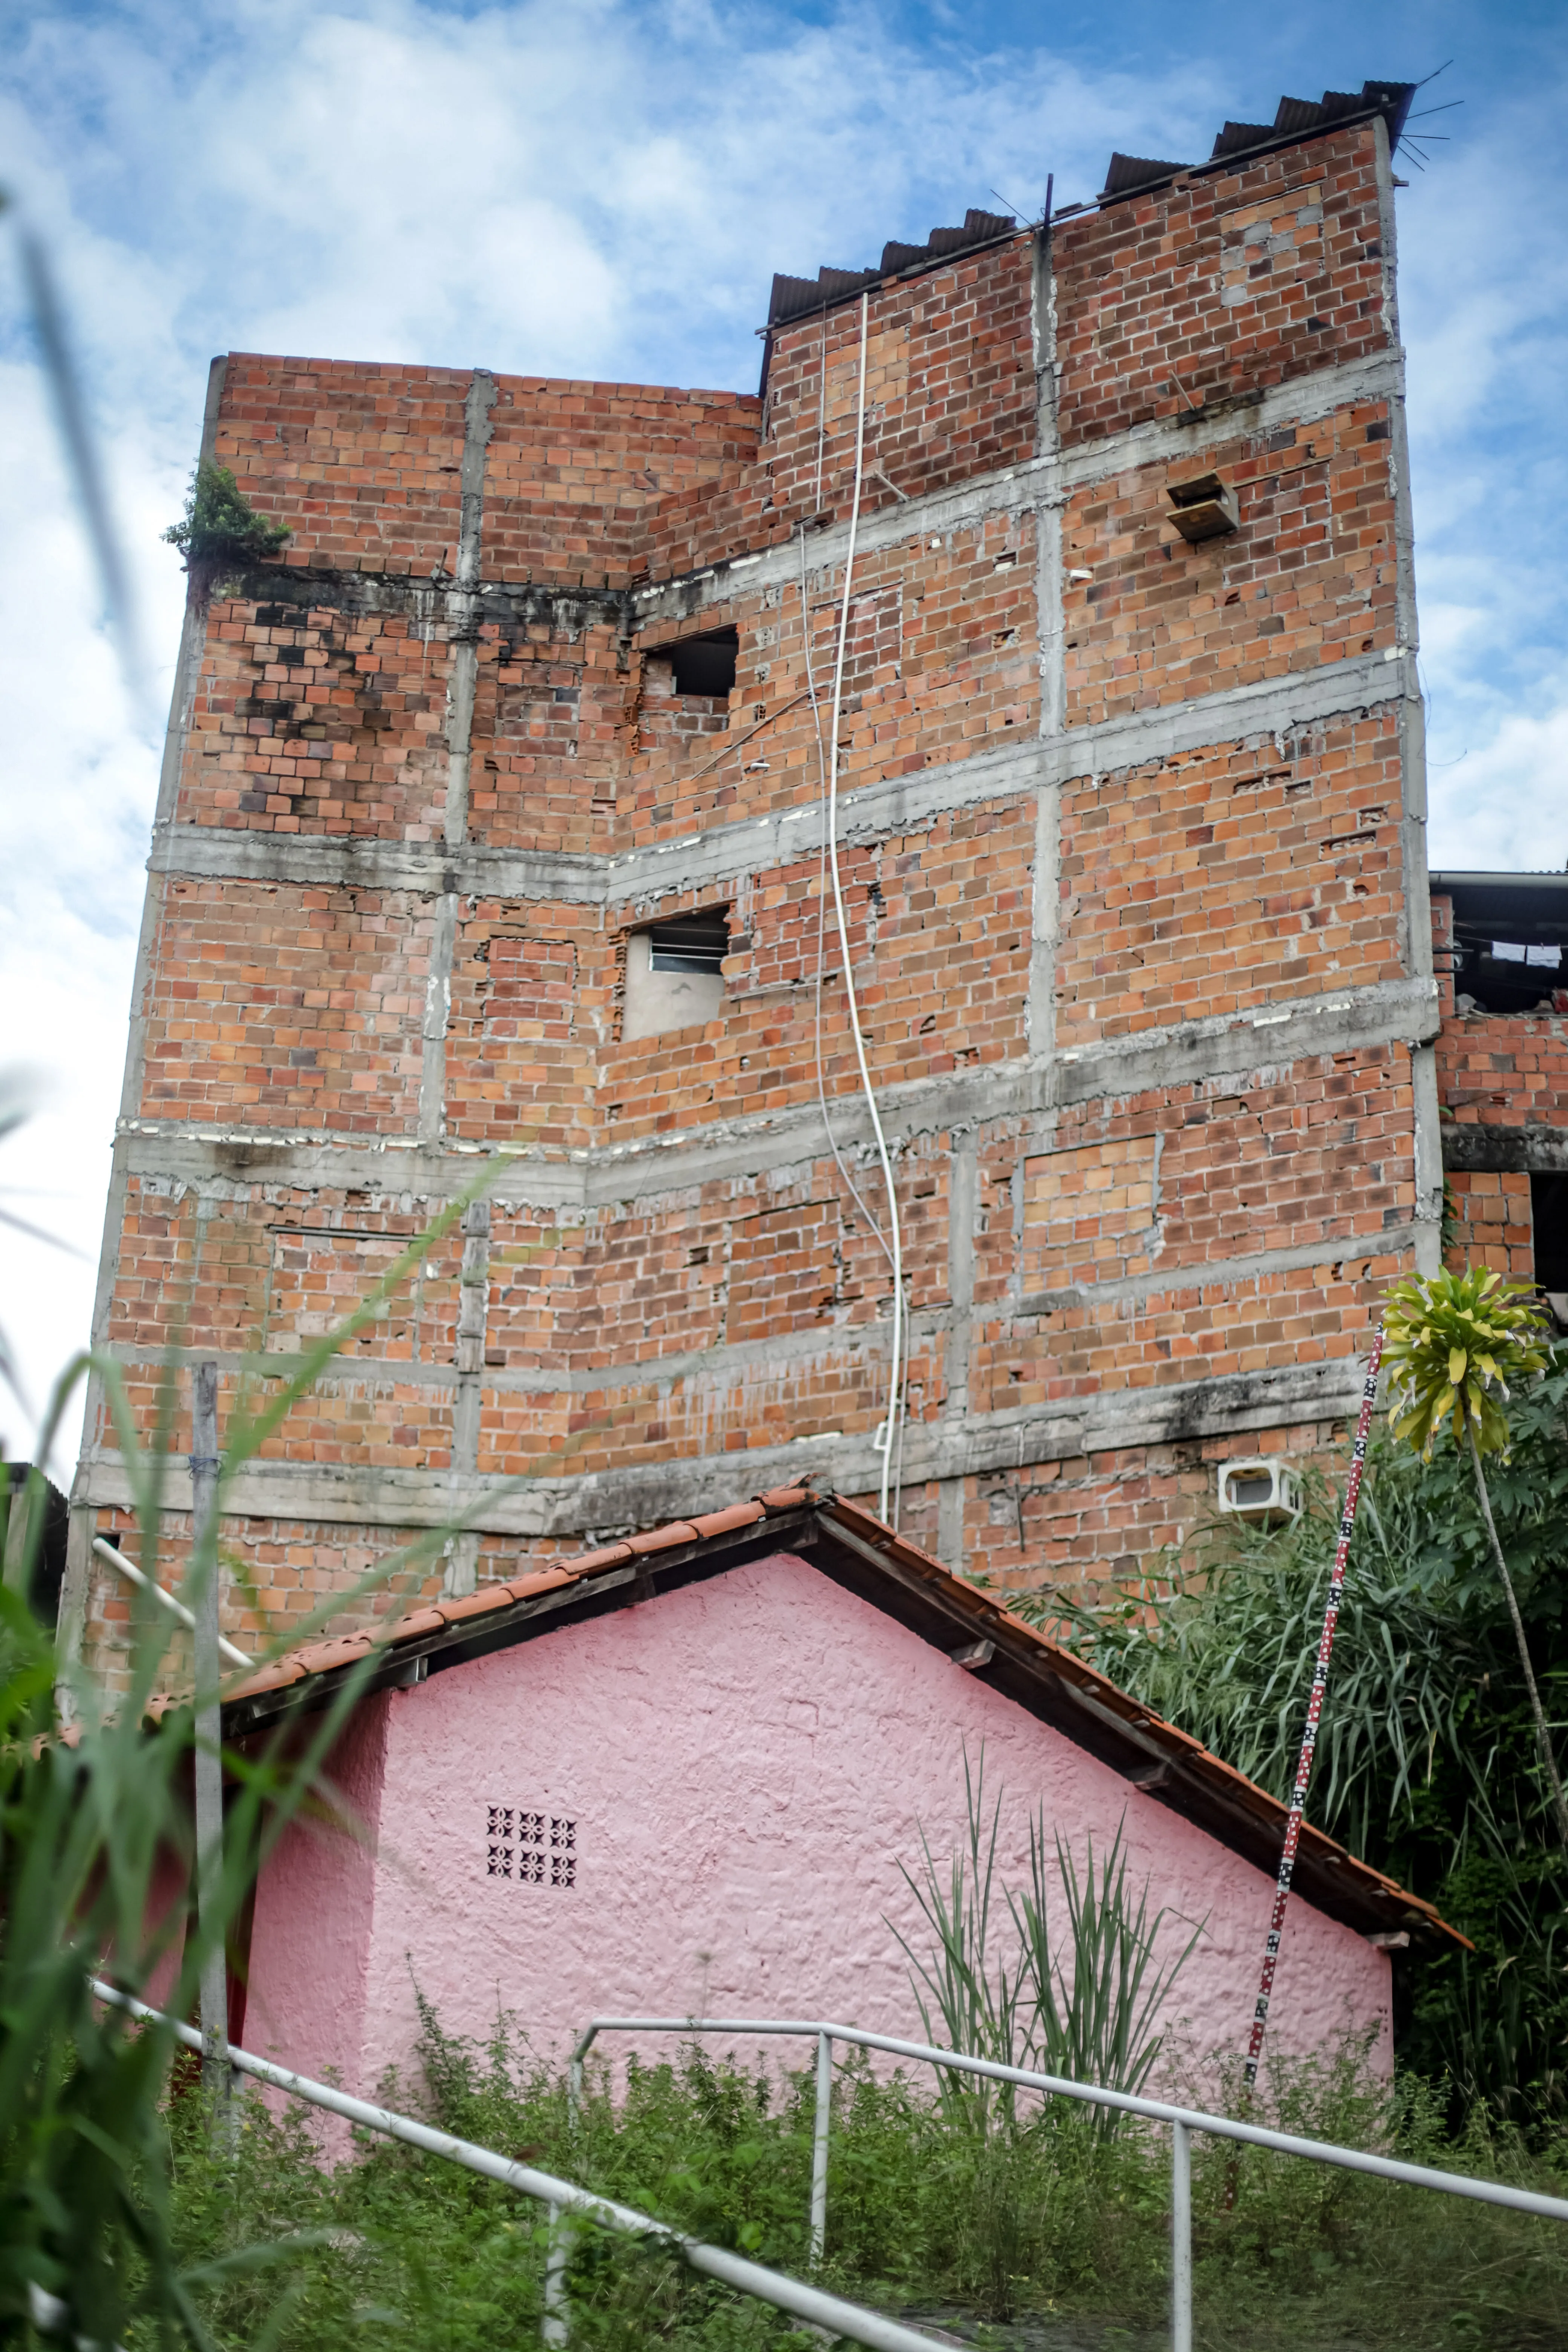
[(691, 943)]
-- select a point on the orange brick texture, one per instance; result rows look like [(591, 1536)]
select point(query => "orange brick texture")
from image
[(374, 974)]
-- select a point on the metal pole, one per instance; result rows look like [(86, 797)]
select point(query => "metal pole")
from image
[(208, 1765), (554, 2327), (178, 1609), (1181, 2239), (819, 2148)]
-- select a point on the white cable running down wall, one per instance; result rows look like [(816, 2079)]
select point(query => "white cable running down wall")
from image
[(887, 1440)]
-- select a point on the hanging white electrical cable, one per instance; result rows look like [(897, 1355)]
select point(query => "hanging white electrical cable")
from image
[(839, 1160), (887, 1436)]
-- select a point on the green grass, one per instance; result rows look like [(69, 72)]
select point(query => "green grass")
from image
[(1040, 2233)]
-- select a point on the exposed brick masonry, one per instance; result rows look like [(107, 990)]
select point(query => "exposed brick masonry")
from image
[(391, 943)]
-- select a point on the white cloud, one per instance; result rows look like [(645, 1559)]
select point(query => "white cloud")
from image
[(1502, 805)]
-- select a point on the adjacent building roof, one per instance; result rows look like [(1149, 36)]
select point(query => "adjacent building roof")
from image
[(894, 1575)]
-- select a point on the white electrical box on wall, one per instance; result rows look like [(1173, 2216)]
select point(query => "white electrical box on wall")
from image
[(1264, 1490)]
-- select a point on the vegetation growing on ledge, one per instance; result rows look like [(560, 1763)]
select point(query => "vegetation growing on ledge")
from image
[(220, 525)]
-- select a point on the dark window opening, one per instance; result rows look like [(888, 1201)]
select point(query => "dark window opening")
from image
[(1507, 975), (17, 1538), (704, 666), (690, 942), (1548, 1217)]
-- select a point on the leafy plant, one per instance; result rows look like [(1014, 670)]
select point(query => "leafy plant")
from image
[(968, 1998), (220, 525), (1095, 2022), (94, 1876), (1452, 1339), (1092, 2019), (924, 2219), (1426, 1764)]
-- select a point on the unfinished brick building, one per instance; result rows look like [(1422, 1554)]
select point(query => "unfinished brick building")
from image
[(491, 840)]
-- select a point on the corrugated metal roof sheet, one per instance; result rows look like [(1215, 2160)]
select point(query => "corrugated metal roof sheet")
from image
[(796, 297), (1294, 118)]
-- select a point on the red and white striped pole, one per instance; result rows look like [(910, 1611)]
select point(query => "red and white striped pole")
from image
[(1314, 1714)]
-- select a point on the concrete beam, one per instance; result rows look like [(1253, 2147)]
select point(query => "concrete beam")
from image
[(869, 812), (559, 1504), (232, 1163)]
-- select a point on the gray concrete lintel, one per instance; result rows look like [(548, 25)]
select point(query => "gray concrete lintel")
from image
[(870, 812), (1235, 1047), (649, 1494)]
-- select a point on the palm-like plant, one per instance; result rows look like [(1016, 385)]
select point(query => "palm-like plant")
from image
[(1453, 1343)]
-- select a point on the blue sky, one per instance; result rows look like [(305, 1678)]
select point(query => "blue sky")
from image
[(605, 188)]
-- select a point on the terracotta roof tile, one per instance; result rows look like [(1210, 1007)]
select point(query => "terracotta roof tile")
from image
[(584, 1562), (277, 1677), (418, 1622), (719, 1523), (665, 1538), (346, 1650), (523, 1588), (472, 1604), (786, 1498)]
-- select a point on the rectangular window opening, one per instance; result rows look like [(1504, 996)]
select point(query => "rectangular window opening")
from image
[(1549, 1218), (1497, 975), (703, 665)]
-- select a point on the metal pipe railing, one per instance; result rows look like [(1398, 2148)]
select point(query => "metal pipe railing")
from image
[(177, 1608), (1182, 2122), (564, 2198)]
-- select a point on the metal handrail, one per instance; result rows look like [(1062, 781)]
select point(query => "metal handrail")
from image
[(1183, 2121), (810, 2304)]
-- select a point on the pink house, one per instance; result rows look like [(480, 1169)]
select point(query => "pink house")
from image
[(680, 1775)]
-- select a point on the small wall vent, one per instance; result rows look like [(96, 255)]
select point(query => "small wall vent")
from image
[(1264, 1490), (534, 1848), (1204, 507)]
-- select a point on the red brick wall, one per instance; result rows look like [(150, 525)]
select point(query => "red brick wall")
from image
[(1138, 285)]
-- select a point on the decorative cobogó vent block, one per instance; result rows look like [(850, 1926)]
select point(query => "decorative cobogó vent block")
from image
[(538, 1849)]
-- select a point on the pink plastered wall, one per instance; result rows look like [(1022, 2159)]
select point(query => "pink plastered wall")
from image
[(747, 1762)]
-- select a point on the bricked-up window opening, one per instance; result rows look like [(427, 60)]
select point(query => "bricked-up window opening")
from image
[(1549, 1218), (675, 977), (703, 664), (533, 1849)]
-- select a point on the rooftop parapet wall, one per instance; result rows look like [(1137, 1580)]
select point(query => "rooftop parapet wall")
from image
[(1219, 286), (1231, 283)]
